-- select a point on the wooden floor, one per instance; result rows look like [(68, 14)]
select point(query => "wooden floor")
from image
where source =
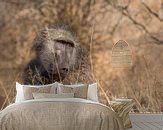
[(147, 121)]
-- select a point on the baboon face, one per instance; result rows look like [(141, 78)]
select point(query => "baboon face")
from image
[(56, 50)]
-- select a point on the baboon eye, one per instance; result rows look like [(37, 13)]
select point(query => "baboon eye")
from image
[(66, 42)]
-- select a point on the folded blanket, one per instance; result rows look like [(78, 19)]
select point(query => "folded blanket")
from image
[(122, 107)]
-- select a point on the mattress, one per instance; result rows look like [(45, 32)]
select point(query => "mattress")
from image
[(59, 114)]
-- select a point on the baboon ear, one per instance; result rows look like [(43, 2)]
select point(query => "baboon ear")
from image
[(37, 45), (39, 40)]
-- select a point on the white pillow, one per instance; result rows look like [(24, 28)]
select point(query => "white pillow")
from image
[(92, 90), (20, 93)]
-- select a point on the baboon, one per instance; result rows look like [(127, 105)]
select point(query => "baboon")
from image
[(59, 57)]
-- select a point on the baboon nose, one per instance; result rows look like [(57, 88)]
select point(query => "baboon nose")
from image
[(65, 69)]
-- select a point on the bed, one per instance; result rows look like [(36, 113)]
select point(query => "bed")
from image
[(59, 114), (59, 107)]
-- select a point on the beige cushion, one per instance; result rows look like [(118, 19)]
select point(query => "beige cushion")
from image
[(50, 95), (29, 90), (92, 90), (80, 91), (20, 92)]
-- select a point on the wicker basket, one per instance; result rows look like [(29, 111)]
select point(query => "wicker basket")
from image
[(121, 55)]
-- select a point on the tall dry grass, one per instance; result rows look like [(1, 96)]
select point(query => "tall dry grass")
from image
[(7, 87), (99, 25), (141, 85)]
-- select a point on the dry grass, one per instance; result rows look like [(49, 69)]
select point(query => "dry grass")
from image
[(9, 93), (98, 27), (145, 89)]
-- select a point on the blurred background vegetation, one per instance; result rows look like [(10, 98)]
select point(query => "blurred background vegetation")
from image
[(99, 25)]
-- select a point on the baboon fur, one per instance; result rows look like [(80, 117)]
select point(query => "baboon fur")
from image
[(69, 70)]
